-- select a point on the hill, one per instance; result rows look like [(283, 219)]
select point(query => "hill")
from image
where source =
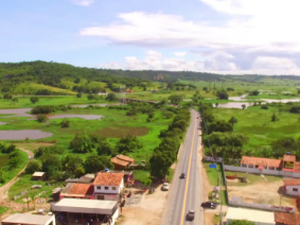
[(45, 78)]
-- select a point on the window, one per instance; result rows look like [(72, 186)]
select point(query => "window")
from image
[(114, 188), (106, 188), (295, 189), (99, 187)]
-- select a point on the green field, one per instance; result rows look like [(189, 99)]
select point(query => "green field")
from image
[(24, 102), (255, 123), (3, 209)]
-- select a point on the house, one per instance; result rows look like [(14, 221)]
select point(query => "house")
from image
[(290, 163), (257, 216), (102, 93), (121, 162), (286, 218), (29, 219), (77, 190), (108, 186), (99, 210), (129, 91), (38, 176), (292, 187), (261, 163), (85, 179)]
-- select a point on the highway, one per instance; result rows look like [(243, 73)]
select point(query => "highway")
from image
[(186, 194)]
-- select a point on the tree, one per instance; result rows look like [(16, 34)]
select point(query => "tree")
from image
[(104, 148), (33, 166), (128, 144), (222, 95), (243, 106), (175, 99), (65, 123), (70, 163), (255, 92), (51, 164), (273, 118), (111, 97), (7, 96), (41, 118), (216, 104), (14, 100), (241, 222), (90, 97), (160, 163), (95, 163), (34, 100), (79, 95), (82, 143), (233, 120)]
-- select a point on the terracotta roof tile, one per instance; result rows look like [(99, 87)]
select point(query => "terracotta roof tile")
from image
[(291, 182), (120, 162), (125, 158), (110, 179), (81, 189), (289, 158), (287, 218), (261, 161), (297, 166)]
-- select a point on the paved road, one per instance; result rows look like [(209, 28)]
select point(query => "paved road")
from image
[(186, 194)]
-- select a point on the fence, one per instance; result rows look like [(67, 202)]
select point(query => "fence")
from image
[(236, 201)]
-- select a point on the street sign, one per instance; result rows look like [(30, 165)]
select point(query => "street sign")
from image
[(213, 166)]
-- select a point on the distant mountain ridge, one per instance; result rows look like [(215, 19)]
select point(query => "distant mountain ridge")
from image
[(58, 78)]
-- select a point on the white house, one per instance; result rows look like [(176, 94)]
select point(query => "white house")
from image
[(257, 216), (29, 219), (292, 187), (108, 186)]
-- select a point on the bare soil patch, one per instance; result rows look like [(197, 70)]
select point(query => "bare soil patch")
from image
[(261, 192), (148, 212), (121, 132)]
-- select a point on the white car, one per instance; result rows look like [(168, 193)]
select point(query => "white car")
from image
[(165, 187)]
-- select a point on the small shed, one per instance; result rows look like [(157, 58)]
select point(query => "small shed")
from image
[(38, 176), (292, 187)]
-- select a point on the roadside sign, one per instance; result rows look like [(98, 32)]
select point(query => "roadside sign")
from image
[(213, 166), (192, 107)]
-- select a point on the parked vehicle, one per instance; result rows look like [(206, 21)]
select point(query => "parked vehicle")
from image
[(165, 187), (190, 215), (182, 176), (209, 205)]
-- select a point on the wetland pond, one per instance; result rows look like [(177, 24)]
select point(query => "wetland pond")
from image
[(23, 134)]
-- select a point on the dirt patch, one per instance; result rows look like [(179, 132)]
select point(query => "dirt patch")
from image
[(33, 145), (261, 192), (121, 132), (148, 212)]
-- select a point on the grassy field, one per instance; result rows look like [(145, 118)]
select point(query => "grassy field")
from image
[(24, 102), (11, 173), (33, 87), (255, 123), (212, 174)]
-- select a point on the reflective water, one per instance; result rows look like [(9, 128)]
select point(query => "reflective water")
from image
[(23, 134)]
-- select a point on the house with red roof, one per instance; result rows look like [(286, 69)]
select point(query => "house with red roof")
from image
[(292, 187), (108, 186), (121, 162), (286, 218), (261, 163), (77, 190)]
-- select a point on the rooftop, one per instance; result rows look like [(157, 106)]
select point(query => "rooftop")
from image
[(19, 218), (289, 158), (81, 189), (256, 216), (110, 179), (122, 160), (287, 218), (85, 206), (297, 166), (261, 161), (291, 182), (38, 174)]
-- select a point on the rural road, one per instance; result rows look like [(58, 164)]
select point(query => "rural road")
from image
[(186, 194)]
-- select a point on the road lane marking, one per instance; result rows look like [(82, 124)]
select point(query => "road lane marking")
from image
[(188, 178)]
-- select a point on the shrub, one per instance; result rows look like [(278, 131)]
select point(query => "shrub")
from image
[(42, 118), (264, 107), (65, 123)]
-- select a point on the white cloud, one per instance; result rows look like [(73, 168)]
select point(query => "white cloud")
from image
[(180, 54), (273, 63), (83, 2), (220, 61)]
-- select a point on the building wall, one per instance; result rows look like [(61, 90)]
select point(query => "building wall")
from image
[(70, 196), (256, 223), (292, 190), (115, 216), (109, 189)]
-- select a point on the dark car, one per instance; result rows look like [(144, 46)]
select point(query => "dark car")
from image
[(190, 215), (209, 205), (182, 176)]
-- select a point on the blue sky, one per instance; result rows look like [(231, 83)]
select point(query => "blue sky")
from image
[(223, 36)]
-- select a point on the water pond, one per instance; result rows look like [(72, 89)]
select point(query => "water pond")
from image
[(23, 134), (3, 123)]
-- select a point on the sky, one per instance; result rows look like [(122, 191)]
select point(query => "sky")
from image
[(219, 36)]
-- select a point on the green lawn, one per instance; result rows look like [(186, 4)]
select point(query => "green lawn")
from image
[(255, 123), (212, 174), (3, 209)]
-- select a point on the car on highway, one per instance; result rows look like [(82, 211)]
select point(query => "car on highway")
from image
[(190, 215), (165, 187), (182, 176), (209, 205)]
